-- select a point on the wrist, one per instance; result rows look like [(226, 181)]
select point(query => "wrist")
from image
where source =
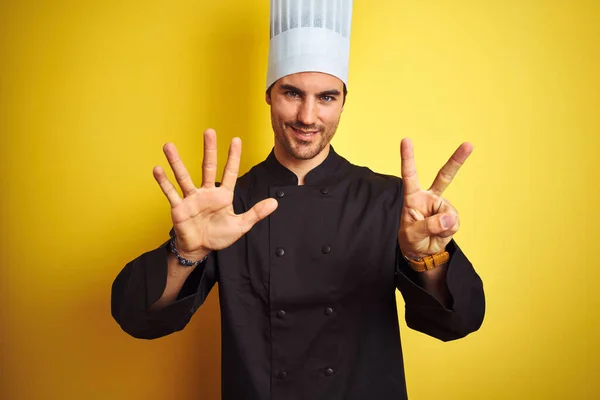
[(406, 252), (426, 262), (187, 259), (411, 256), (192, 255)]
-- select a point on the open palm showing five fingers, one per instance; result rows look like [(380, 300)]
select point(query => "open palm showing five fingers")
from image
[(428, 221), (204, 219)]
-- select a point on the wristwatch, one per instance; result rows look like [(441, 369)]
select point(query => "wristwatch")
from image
[(183, 261), (429, 262)]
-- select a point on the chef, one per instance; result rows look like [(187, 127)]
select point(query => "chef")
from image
[(307, 248)]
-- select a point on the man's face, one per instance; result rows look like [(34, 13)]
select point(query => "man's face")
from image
[(305, 112)]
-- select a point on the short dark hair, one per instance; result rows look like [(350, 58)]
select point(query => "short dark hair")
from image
[(343, 99)]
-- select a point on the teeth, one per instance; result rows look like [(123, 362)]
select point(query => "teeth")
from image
[(304, 134)]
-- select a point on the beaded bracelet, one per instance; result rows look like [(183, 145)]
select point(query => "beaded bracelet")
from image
[(183, 261)]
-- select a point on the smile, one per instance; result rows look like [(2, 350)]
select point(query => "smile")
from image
[(304, 134)]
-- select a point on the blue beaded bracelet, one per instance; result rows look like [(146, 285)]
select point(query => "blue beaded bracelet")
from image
[(183, 261)]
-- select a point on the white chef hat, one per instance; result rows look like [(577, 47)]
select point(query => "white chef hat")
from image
[(309, 35)]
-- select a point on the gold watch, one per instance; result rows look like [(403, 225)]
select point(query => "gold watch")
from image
[(428, 263)]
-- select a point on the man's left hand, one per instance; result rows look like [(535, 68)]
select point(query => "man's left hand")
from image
[(428, 221)]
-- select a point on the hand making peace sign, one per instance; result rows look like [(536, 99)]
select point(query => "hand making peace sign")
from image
[(428, 221)]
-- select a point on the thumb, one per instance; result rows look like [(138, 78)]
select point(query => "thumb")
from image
[(260, 211), (434, 225)]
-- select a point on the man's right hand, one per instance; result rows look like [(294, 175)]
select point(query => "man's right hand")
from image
[(204, 219)]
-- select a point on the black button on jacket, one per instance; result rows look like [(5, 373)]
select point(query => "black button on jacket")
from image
[(331, 245)]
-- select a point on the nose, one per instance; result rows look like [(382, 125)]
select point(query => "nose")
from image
[(307, 112)]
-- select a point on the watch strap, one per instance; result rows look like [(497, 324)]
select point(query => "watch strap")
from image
[(428, 263)]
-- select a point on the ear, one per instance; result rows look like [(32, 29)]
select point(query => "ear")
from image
[(268, 98)]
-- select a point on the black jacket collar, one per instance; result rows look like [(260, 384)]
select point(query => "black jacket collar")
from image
[(329, 170)]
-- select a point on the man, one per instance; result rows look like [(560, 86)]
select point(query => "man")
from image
[(307, 248)]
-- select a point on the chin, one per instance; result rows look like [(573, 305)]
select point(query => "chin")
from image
[(299, 149), (306, 152)]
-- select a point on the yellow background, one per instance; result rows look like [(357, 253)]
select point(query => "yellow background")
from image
[(90, 91)]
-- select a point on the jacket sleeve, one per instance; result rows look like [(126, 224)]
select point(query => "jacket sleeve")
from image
[(426, 314), (142, 282)]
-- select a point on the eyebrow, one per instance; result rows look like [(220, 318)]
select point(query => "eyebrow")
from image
[(331, 92)]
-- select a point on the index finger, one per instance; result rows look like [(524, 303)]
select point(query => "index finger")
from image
[(408, 167), (449, 170)]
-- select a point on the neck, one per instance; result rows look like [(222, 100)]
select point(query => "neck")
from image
[(300, 167)]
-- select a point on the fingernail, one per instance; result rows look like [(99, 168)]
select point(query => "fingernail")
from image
[(447, 221)]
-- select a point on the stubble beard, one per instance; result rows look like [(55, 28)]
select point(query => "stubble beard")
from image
[(302, 149)]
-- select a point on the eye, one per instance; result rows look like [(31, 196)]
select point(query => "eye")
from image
[(327, 98), (292, 94)]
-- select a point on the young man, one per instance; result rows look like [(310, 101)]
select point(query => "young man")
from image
[(307, 248)]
